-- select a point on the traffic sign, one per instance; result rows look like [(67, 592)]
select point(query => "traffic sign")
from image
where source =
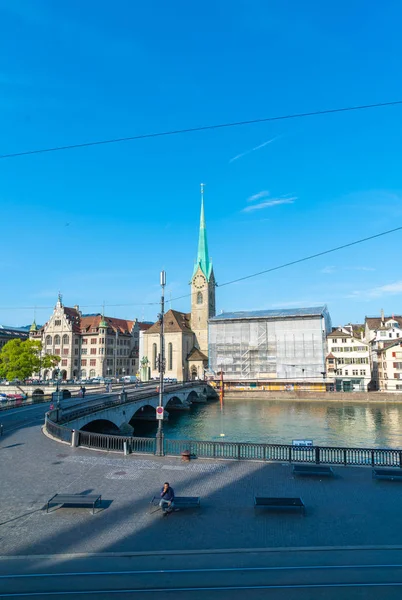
[(302, 443), (159, 413)]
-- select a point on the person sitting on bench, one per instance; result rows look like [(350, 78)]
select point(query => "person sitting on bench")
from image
[(167, 499)]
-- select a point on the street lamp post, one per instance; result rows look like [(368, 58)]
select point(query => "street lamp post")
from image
[(159, 435), (57, 379)]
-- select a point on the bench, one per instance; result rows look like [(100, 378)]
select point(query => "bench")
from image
[(181, 502), (75, 500), (279, 503), (390, 474), (313, 470)]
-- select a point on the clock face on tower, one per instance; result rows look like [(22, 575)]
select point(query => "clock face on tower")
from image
[(199, 282)]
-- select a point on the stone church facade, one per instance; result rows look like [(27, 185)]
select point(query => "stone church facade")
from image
[(186, 334)]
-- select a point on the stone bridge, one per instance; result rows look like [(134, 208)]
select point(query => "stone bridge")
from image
[(38, 390), (120, 414)]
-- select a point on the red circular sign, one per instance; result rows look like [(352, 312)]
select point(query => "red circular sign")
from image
[(159, 410)]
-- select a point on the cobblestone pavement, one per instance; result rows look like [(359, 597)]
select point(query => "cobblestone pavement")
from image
[(350, 509)]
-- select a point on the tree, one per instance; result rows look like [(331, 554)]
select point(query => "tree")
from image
[(20, 359)]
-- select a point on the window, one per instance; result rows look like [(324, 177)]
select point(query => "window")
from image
[(83, 373), (66, 341), (84, 350), (84, 362), (64, 362), (355, 372), (383, 333), (57, 323), (93, 340), (76, 351), (362, 372), (101, 340), (344, 340), (170, 356), (335, 341), (331, 361), (57, 340), (65, 351), (75, 362), (396, 375), (92, 362), (390, 335), (57, 351), (48, 340), (93, 350), (154, 356), (85, 340), (76, 341), (346, 372), (398, 386), (92, 373), (199, 298)]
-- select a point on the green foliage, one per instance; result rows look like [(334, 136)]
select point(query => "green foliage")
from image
[(20, 359)]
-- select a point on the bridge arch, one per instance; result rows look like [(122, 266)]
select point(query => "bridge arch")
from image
[(38, 392), (144, 413), (101, 426), (174, 401), (192, 396)]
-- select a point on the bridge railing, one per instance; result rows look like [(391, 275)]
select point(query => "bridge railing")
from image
[(116, 442), (64, 434), (375, 457)]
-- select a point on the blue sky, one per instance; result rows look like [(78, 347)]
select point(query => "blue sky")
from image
[(99, 224)]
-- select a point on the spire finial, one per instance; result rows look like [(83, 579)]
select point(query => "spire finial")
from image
[(202, 256), (202, 219), (59, 299)]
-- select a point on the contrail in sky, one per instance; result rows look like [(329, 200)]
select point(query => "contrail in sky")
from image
[(253, 149)]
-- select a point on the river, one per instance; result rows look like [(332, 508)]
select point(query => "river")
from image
[(270, 421)]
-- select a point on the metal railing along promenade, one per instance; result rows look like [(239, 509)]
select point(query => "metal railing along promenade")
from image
[(375, 457)]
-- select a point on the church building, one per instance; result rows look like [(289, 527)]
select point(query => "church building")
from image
[(186, 334)]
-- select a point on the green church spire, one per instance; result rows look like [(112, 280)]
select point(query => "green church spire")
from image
[(203, 257)]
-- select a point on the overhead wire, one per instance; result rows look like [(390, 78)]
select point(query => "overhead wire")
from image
[(197, 129), (237, 280)]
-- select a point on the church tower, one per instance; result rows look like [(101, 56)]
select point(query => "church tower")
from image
[(202, 287)]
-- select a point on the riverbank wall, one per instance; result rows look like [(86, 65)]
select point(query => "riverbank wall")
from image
[(364, 397)]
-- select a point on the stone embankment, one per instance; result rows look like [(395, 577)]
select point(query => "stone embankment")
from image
[(314, 396)]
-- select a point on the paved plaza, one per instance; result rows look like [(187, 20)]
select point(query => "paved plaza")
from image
[(348, 510)]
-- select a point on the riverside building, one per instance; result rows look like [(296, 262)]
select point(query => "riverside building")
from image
[(389, 357), (89, 345), (284, 348), (348, 359), (12, 333), (379, 331)]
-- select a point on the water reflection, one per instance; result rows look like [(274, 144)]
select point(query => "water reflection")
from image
[(269, 421)]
